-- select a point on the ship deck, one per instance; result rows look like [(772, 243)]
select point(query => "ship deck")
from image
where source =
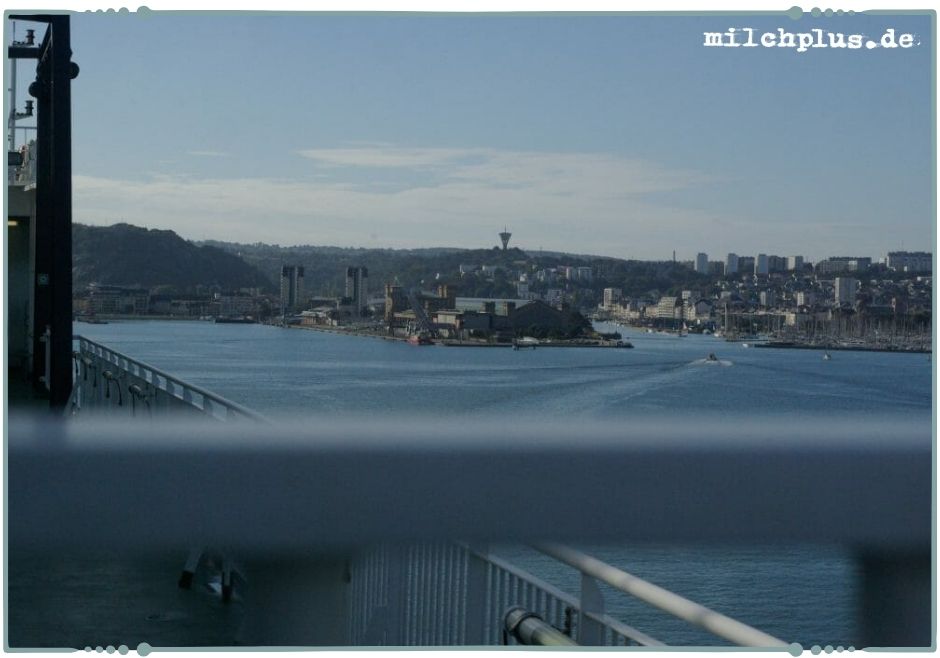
[(56, 601)]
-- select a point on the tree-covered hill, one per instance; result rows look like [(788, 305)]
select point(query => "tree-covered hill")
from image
[(132, 256), (325, 267), (128, 255)]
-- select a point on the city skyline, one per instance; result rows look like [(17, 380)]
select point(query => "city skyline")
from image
[(616, 136)]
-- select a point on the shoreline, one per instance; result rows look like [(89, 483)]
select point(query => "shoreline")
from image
[(448, 342), (842, 348)]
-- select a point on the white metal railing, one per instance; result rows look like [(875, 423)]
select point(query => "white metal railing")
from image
[(678, 606), (106, 379), (299, 499), (440, 594)]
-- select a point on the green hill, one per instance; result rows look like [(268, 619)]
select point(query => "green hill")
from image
[(132, 256)]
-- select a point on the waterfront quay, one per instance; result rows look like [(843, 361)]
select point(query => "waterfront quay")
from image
[(454, 342), (844, 347)]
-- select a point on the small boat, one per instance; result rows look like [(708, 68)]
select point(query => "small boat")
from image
[(525, 341), (711, 358), (745, 345), (420, 339), (238, 319), (827, 357)]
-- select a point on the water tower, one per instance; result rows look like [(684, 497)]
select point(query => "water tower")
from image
[(504, 237)]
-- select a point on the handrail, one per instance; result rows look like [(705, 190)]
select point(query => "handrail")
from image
[(625, 630), (208, 395), (678, 606)]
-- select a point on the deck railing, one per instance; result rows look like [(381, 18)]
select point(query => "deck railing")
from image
[(453, 593), (830, 481), (108, 380)]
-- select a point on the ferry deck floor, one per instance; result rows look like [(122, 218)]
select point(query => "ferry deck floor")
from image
[(57, 601)]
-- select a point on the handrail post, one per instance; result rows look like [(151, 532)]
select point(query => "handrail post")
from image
[(397, 602), (590, 631), (476, 594)]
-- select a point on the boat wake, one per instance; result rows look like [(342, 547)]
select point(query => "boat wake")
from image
[(712, 362)]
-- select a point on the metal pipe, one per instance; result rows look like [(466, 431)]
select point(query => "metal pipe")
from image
[(528, 628), (656, 596)]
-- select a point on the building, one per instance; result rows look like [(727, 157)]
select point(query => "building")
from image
[(776, 264), (585, 274), (836, 264), (669, 308), (767, 298), (612, 296), (292, 288), (746, 264), (104, 300), (396, 301), (236, 305), (731, 264), (701, 263), (805, 299), (761, 264), (699, 310), (794, 263), (845, 290), (487, 305), (546, 276), (716, 268), (910, 261), (357, 279), (555, 296)]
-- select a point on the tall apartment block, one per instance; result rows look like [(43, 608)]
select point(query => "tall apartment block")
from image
[(292, 288), (356, 287)]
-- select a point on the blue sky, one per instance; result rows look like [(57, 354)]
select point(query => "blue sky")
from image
[(615, 135)]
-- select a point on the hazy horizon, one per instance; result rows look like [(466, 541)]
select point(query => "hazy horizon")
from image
[(444, 247)]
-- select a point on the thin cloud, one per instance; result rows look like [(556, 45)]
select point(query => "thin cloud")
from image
[(458, 197), (209, 154), (386, 157)]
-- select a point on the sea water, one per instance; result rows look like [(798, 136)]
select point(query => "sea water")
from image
[(804, 594)]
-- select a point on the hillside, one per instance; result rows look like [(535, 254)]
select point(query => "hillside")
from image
[(324, 268), (132, 256), (129, 255)]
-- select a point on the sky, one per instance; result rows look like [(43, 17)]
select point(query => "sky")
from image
[(616, 135)]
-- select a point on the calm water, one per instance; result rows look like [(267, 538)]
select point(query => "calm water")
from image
[(803, 594)]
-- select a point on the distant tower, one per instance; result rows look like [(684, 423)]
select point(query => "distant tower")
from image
[(292, 288), (504, 237), (356, 283)]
